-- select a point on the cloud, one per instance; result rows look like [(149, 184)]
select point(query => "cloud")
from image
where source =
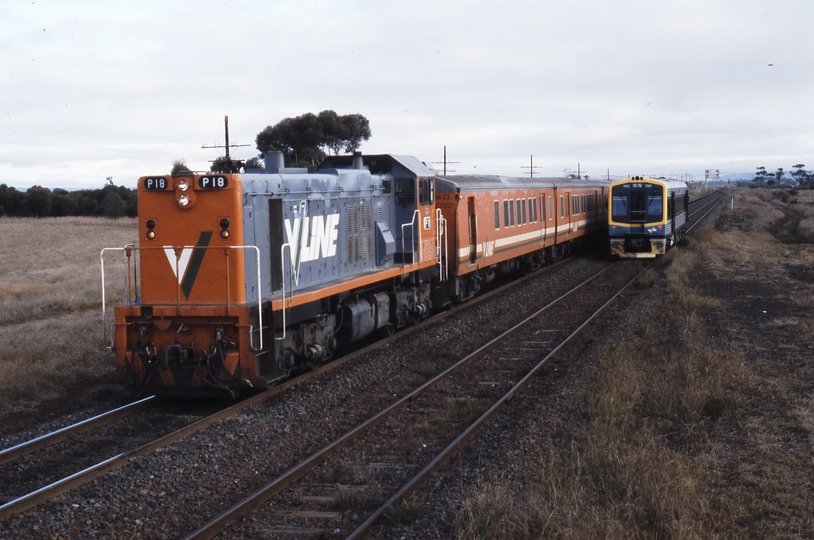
[(124, 89)]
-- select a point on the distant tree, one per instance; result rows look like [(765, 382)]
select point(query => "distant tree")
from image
[(113, 206), (254, 163), (357, 129), (11, 200), (37, 202), (304, 140), (179, 166), (779, 174), (800, 174), (226, 165), (760, 175)]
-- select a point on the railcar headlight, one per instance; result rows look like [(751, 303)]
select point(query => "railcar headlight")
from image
[(183, 185), (183, 200)]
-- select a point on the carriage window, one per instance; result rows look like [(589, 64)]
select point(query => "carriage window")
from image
[(521, 211), (511, 212), (533, 209), (497, 215), (405, 191), (574, 205), (562, 206), (550, 209), (505, 213)]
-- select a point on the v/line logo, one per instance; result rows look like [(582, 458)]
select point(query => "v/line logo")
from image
[(186, 264), (313, 238)]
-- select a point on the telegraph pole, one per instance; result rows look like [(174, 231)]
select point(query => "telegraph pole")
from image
[(531, 166), (227, 146), (445, 161)]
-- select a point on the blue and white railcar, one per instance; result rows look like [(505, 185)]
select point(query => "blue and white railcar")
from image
[(646, 216)]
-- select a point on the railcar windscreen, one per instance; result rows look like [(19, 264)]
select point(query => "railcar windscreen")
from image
[(655, 208), (619, 210)]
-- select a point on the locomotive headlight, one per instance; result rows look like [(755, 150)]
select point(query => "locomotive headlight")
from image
[(150, 235), (183, 185), (224, 225), (183, 200)]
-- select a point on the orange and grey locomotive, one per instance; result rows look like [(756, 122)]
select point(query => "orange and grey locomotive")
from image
[(245, 277)]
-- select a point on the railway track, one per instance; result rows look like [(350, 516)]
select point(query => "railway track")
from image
[(702, 207), (44, 467), (391, 453)]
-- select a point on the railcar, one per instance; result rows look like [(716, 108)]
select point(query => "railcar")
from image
[(240, 278), (498, 225), (646, 216)]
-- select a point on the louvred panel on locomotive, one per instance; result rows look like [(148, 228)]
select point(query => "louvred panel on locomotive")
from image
[(185, 224)]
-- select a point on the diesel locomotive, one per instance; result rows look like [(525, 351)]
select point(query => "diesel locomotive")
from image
[(238, 279), (646, 216)]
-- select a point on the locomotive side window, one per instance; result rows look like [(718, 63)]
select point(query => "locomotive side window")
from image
[(497, 215), (426, 191), (405, 191)]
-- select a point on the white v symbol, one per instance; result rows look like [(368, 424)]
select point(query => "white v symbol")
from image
[(182, 261)]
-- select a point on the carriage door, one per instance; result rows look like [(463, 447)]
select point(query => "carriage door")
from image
[(638, 207), (671, 212), (473, 230)]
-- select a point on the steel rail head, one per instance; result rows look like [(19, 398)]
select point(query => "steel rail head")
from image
[(23, 449)]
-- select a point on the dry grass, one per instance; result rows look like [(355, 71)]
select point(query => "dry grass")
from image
[(696, 429), (50, 300)]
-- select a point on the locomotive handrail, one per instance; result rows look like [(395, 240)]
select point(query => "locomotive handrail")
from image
[(418, 240), (441, 232), (130, 247), (124, 249), (282, 282)]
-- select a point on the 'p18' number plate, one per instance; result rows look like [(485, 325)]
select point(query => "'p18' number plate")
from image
[(212, 182), (155, 183)]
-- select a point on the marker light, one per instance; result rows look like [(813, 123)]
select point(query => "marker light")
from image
[(150, 226), (183, 200), (224, 225), (183, 185)]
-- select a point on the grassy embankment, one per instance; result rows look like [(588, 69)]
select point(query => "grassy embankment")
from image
[(701, 423), (50, 301)]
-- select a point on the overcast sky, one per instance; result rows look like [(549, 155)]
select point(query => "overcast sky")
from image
[(90, 90)]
